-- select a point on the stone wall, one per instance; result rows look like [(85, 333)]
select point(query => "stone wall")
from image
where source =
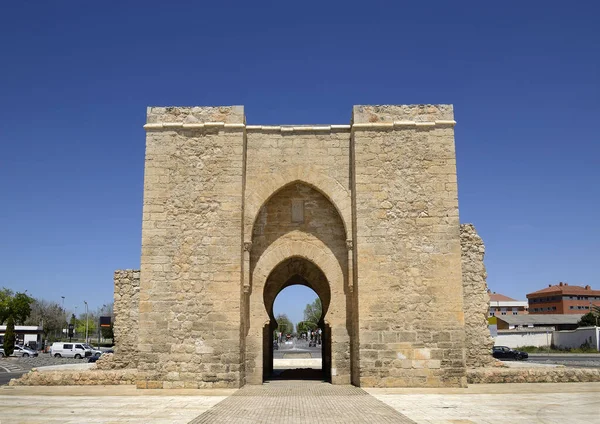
[(125, 327), (407, 247), (391, 258), (76, 378), (321, 229), (479, 342), (533, 375), (190, 287)]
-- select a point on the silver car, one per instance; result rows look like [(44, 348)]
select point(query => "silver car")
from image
[(23, 351)]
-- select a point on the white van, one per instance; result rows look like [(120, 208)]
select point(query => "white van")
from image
[(69, 350)]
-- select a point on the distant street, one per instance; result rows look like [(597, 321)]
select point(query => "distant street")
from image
[(296, 349), (567, 359)]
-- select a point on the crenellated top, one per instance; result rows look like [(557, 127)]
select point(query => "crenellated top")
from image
[(364, 118)]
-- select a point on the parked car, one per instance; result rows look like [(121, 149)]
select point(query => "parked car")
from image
[(504, 352), (275, 345), (95, 352), (19, 350), (69, 350), (94, 358)]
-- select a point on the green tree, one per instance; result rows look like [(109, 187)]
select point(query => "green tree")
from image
[(284, 325), (9, 336), (305, 326), (16, 305), (588, 320), (49, 315), (92, 322), (313, 311)]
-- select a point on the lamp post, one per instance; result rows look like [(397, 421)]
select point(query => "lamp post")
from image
[(86, 321), (64, 315)]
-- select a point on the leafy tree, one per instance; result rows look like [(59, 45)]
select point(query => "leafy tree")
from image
[(313, 311), (305, 326), (284, 325), (9, 337), (49, 315), (16, 305), (92, 322), (588, 320)]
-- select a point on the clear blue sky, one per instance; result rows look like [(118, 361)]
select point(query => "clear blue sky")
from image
[(76, 77)]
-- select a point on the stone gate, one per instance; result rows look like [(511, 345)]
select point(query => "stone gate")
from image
[(366, 214)]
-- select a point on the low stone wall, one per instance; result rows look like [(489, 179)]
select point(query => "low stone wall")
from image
[(77, 378), (532, 375), (476, 299), (126, 310)]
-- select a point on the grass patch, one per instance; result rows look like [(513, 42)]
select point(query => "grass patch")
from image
[(553, 349)]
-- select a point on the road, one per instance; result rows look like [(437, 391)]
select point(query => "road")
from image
[(297, 349), (5, 377), (567, 359)]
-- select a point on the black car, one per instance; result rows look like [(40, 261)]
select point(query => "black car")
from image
[(504, 352)]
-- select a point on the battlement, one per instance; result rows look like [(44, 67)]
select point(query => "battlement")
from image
[(364, 117)]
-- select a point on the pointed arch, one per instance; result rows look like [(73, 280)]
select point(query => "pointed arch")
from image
[(259, 193)]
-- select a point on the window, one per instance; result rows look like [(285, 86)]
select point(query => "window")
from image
[(515, 311), (67, 346), (297, 210)]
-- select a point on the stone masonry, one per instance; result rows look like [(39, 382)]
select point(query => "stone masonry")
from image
[(366, 214), (479, 342), (125, 328)]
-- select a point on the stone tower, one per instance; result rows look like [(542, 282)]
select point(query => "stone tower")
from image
[(366, 214)]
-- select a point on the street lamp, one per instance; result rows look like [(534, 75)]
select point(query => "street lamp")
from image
[(86, 321), (65, 317)]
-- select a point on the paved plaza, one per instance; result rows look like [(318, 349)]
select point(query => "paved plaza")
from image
[(304, 402)]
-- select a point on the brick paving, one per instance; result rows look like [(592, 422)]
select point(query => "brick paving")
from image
[(301, 402)]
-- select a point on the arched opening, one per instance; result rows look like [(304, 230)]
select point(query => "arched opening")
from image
[(289, 353), (297, 351), (298, 237)]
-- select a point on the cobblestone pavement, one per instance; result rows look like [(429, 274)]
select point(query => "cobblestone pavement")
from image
[(301, 402), (298, 402)]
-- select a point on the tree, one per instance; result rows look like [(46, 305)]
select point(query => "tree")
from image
[(284, 325), (16, 305), (588, 320), (313, 311), (9, 337), (49, 315), (305, 326)]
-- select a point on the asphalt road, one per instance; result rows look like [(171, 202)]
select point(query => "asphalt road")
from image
[(567, 359), (5, 377), (298, 349)]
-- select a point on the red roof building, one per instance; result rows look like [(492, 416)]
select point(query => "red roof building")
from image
[(563, 299)]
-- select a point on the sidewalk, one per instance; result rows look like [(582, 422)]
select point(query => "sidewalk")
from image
[(485, 403)]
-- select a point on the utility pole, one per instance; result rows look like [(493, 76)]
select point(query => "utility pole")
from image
[(86, 321), (64, 315)]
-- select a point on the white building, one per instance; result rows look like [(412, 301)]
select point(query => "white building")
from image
[(30, 335)]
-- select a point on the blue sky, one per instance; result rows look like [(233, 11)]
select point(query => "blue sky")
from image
[(76, 77)]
